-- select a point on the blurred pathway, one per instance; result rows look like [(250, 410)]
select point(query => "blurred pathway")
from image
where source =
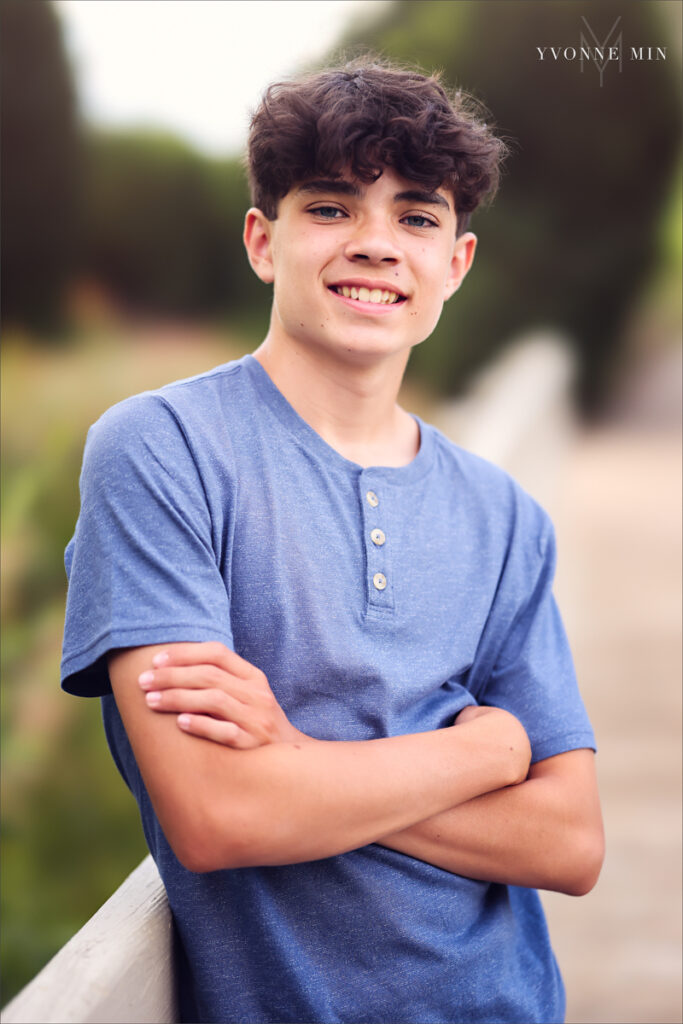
[(618, 520)]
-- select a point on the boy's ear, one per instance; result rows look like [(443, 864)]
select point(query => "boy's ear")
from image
[(463, 254), (257, 241)]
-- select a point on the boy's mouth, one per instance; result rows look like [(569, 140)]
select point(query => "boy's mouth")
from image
[(379, 296)]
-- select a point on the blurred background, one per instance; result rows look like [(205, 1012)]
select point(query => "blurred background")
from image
[(123, 125)]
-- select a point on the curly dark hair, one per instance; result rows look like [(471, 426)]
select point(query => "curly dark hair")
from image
[(367, 115)]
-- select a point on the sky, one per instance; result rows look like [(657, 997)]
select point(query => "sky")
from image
[(195, 67)]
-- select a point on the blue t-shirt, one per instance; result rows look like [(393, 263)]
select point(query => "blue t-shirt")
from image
[(378, 602)]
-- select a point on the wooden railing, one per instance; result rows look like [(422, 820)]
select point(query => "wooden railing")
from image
[(118, 969)]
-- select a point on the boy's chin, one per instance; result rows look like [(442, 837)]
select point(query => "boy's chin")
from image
[(368, 354)]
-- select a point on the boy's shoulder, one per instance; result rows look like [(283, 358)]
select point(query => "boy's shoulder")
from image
[(187, 393), (191, 405), (491, 499), (222, 406), (478, 472), (178, 426)]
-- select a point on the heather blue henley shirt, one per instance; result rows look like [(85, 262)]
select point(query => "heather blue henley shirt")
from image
[(378, 602)]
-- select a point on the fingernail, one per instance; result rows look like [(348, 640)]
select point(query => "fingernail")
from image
[(184, 721), (146, 679), (160, 659), (153, 698)]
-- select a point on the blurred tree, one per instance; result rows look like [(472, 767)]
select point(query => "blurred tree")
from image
[(40, 163), (163, 225), (573, 237)]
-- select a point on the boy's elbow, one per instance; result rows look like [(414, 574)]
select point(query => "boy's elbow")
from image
[(201, 856), (198, 861), (199, 852), (233, 839), (592, 866), (584, 867)]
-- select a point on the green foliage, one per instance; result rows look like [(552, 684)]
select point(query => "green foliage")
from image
[(40, 163), (51, 806), (572, 239), (70, 828), (164, 225)]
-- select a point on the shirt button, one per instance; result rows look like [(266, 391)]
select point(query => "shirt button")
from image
[(377, 537), (380, 581), (372, 499)]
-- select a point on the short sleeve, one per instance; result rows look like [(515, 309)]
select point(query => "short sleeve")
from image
[(142, 564), (533, 674)]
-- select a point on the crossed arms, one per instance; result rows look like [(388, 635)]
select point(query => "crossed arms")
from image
[(234, 784)]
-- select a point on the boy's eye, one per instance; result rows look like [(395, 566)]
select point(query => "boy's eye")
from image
[(327, 212), (418, 220)]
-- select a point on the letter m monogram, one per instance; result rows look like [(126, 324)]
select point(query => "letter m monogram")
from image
[(609, 42)]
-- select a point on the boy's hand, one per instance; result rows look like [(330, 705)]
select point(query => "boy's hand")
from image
[(219, 696), (509, 730), (471, 712)]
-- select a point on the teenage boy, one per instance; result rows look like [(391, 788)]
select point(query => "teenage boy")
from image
[(329, 632)]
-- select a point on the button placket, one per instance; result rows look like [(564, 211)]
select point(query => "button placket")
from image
[(378, 569)]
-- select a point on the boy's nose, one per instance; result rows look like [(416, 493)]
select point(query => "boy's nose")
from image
[(373, 243)]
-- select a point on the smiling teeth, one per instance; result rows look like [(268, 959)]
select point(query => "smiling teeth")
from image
[(367, 295)]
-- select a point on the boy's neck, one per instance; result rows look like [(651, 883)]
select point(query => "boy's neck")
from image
[(352, 407)]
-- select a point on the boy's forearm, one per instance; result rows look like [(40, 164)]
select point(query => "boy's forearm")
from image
[(317, 799), (545, 833), (286, 802)]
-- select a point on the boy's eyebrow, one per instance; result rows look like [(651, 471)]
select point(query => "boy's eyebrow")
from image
[(348, 188), (338, 185), (416, 196)]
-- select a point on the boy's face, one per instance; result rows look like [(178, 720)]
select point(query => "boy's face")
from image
[(359, 270)]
